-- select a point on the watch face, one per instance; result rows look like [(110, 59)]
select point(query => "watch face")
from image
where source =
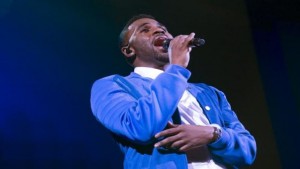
[(216, 134)]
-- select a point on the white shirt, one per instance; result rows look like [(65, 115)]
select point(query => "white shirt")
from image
[(190, 113)]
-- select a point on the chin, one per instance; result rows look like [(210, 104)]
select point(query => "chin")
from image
[(163, 58)]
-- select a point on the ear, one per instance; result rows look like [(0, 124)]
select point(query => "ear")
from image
[(128, 51)]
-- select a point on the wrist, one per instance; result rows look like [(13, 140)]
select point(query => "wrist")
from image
[(178, 71), (216, 134)]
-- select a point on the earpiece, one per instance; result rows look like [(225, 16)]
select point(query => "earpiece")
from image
[(129, 54), (128, 50)]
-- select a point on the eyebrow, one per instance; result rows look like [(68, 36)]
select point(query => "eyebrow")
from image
[(142, 25), (158, 23)]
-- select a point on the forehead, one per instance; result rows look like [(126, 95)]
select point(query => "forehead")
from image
[(143, 21)]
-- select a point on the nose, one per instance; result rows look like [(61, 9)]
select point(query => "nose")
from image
[(159, 30)]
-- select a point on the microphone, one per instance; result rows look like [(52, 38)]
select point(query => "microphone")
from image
[(195, 42)]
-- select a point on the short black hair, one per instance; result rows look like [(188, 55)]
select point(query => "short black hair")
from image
[(129, 22)]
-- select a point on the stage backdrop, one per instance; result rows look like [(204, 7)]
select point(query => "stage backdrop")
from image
[(52, 51)]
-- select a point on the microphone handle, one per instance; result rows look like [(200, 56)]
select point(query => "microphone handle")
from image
[(196, 42)]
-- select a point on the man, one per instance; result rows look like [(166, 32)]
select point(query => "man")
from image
[(161, 121)]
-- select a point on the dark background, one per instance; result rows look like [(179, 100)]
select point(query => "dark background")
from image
[(52, 51)]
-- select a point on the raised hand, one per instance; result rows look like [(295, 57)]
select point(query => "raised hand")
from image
[(179, 50)]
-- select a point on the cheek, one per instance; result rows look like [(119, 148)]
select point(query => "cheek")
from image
[(143, 43)]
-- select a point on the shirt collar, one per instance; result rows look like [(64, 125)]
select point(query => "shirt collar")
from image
[(148, 72)]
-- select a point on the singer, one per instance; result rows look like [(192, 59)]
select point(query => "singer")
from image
[(158, 118)]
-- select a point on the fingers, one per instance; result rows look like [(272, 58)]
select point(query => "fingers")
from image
[(179, 49), (170, 135), (178, 144), (183, 137), (184, 148), (167, 142), (174, 143), (182, 40), (166, 133), (190, 37)]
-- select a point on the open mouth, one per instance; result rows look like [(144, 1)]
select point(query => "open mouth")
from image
[(160, 42)]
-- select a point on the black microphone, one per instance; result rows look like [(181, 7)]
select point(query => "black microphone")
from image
[(195, 42)]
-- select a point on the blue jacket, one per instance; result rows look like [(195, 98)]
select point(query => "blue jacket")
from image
[(135, 108)]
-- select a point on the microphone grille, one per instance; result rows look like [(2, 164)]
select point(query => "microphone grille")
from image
[(198, 42)]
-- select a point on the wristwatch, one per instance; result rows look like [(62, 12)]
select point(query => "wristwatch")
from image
[(216, 133)]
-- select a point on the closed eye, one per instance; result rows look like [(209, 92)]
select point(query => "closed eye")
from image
[(145, 30)]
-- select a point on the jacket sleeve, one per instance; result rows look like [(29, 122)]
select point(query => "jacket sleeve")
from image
[(138, 119), (236, 146)]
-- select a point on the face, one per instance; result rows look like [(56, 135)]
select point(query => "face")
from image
[(141, 36)]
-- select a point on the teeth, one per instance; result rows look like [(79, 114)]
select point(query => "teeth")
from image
[(159, 41)]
